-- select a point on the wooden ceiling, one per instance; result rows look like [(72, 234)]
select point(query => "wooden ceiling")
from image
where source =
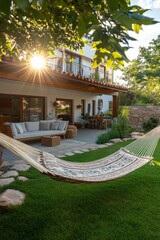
[(48, 77)]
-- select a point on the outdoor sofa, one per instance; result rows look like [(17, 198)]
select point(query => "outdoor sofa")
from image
[(24, 131)]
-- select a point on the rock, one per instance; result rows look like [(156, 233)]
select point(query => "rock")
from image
[(69, 154), (22, 178), (21, 167), (85, 150), (127, 139), (11, 198), (136, 135), (109, 144), (1, 172), (77, 151), (101, 146), (6, 181), (11, 173), (116, 140)]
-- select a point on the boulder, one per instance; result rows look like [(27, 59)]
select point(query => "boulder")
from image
[(11, 198)]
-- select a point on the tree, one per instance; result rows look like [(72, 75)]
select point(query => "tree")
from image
[(44, 25), (143, 74)]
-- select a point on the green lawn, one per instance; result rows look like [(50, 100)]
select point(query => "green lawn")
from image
[(124, 209)]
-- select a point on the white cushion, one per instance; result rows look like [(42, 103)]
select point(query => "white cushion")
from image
[(32, 126), (19, 128)]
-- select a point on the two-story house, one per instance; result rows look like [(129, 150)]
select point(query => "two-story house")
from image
[(67, 88)]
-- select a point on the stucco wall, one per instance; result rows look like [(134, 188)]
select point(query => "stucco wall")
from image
[(140, 114), (51, 93)]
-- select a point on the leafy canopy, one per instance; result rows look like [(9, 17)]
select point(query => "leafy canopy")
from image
[(143, 74), (28, 26)]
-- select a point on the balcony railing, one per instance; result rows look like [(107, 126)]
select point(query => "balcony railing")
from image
[(80, 69)]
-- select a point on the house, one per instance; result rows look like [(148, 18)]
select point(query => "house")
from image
[(67, 88)]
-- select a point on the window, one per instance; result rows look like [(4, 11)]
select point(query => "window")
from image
[(64, 109), (32, 109), (22, 108), (73, 63)]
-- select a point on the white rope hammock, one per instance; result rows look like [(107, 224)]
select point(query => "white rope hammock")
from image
[(114, 166)]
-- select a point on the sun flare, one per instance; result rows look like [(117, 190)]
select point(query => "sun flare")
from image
[(37, 62)]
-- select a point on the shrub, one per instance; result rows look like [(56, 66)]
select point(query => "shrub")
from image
[(150, 124), (118, 130)]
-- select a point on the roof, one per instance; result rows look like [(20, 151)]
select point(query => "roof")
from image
[(55, 78)]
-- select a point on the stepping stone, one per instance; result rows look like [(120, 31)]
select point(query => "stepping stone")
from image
[(6, 181), (85, 150), (77, 151), (109, 144), (127, 139), (60, 156), (93, 148), (116, 140), (22, 178), (69, 154), (21, 167), (11, 198), (101, 146), (11, 173)]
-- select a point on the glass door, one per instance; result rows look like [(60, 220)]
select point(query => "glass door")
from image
[(32, 108), (64, 109)]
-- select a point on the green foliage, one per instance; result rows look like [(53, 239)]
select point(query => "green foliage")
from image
[(150, 124), (44, 25), (120, 129), (143, 75)]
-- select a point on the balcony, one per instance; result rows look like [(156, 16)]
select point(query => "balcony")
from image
[(100, 74)]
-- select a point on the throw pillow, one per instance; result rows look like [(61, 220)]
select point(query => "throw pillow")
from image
[(44, 125), (54, 125), (61, 125), (32, 126), (19, 128), (23, 126)]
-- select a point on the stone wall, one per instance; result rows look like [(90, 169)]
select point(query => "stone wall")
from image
[(140, 114)]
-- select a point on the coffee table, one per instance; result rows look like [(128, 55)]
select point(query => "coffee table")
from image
[(50, 141)]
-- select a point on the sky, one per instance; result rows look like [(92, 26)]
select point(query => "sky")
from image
[(147, 34)]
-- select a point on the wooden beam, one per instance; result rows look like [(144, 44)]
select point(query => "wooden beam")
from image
[(115, 106)]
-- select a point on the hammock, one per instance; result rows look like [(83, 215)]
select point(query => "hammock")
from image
[(114, 166)]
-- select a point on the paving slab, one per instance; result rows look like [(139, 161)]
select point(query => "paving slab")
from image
[(69, 153), (6, 181), (21, 167), (11, 173), (77, 151), (22, 178)]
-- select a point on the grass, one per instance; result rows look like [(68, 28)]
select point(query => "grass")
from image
[(126, 209)]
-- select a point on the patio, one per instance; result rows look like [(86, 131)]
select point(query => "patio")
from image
[(84, 142)]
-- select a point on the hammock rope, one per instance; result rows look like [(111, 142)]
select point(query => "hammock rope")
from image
[(111, 167)]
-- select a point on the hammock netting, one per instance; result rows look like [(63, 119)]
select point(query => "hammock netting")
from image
[(119, 164)]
